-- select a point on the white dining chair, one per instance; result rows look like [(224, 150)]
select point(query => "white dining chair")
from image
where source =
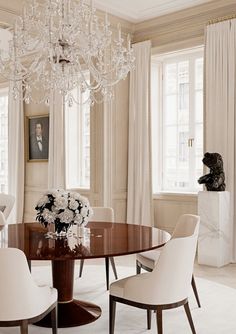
[(22, 302), (148, 260), (167, 286), (103, 214), (6, 206)]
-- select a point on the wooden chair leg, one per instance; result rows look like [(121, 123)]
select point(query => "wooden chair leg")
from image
[(29, 264), (195, 291), (159, 320), (112, 314), (190, 320), (138, 268), (81, 267), (54, 320), (24, 327), (149, 319), (113, 267), (107, 271)]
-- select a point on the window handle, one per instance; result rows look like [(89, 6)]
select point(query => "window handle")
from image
[(190, 142)]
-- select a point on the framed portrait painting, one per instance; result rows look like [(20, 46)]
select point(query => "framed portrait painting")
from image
[(37, 133)]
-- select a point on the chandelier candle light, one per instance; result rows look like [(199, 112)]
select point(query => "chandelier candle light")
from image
[(55, 42)]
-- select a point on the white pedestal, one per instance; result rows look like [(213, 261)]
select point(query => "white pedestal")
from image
[(214, 233)]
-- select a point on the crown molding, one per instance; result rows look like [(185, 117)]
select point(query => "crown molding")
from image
[(187, 24)]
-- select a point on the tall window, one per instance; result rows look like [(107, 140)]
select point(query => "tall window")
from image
[(4, 139), (177, 114), (78, 142)]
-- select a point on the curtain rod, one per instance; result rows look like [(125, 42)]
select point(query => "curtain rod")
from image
[(221, 19)]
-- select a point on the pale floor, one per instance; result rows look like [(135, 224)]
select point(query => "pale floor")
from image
[(225, 275)]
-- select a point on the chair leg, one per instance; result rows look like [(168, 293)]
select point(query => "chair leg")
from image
[(81, 267), (149, 319), (195, 291), (138, 268), (190, 320), (159, 320), (54, 320), (113, 266), (29, 264), (24, 327), (107, 271), (112, 314)]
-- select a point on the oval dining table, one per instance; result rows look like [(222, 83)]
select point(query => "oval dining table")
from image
[(100, 240)]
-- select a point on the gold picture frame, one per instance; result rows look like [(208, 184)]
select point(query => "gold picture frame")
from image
[(37, 138)]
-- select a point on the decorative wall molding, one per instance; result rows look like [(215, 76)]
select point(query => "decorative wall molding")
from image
[(185, 25)]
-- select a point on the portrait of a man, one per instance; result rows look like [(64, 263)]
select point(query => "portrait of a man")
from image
[(38, 130)]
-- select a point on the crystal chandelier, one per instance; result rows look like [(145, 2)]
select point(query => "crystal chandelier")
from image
[(55, 42)]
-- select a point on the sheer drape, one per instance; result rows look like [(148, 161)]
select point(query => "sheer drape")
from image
[(139, 203), (16, 154), (220, 102), (56, 163)]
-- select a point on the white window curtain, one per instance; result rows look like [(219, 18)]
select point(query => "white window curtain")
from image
[(16, 154), (57, 162), (220, 103), (139, 202)]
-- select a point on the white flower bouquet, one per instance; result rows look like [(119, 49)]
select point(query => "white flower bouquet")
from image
[(63, 208)]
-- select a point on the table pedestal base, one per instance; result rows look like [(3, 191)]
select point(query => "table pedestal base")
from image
[(75, 313)]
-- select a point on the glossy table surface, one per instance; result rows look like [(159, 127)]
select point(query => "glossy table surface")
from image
[(100, 240)]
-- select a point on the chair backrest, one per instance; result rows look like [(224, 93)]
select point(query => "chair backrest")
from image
[(6, 205), (185, 226), (174, 269), (102, 214), (20, 297)]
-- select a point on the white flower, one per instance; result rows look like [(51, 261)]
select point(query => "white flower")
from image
[(75, 195), (64, 206), (90, 212), (61, 203), (73, 204), (66, 216), (84, 212), (49, 216), (84, 201), (43, 200), (78, 218)]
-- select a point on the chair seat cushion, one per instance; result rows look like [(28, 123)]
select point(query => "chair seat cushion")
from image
[(149, 258), (118, 288)]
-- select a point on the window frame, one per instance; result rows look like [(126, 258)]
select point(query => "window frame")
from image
[(157, 78)]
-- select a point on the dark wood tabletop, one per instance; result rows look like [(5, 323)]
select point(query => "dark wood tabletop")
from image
[(100, 240)]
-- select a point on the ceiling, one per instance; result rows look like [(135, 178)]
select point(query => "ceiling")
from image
[(140, 10), (132, 10)]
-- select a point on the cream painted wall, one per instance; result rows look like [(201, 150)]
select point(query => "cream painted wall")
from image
[(36, 173)]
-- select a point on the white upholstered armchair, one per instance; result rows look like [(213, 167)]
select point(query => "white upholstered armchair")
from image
[(167, 286)]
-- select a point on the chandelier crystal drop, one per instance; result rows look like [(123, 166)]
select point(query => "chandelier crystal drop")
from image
[(55, 42)]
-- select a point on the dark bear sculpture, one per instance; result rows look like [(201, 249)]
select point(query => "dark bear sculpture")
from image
[(215, 180)]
